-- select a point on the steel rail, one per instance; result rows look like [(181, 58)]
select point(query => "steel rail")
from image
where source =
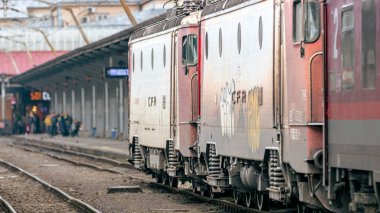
[(79, 204), (7, 206), (89, 156)]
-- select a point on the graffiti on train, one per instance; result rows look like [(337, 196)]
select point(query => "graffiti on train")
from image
[(227, 109), (229, 99), (254, 118)]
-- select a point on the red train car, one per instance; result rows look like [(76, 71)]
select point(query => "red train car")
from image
[(353, 100)]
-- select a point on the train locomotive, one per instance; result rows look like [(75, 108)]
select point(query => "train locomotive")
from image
[(274, 101)]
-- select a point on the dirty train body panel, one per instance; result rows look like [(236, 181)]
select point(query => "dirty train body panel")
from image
[(237, 80)]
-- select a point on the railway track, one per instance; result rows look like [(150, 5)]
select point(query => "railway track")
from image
[(5, 206), (26, 192), (114, 166)]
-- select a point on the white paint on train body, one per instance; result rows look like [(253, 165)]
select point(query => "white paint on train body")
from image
[(153, 86), (149, 120), (231, 75)]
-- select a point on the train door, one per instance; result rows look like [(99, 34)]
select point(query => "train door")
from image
[(304, 83), (187, 88), (304, 66), (305, 59)]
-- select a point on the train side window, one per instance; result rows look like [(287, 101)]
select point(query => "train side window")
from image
[(164, 56), (306, 20), (152, 58), (297, 21), (206, 45), (141, 61), (260, 32), (220, 42), (189, 50), (239, 38), (133, 62), (369, 44), (348, 48)]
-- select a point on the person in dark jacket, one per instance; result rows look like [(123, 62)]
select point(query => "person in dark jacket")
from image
[(75, 131)]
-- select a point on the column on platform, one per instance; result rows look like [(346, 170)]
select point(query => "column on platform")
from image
[(64, 107), (113, 109), (55, 103), (87, 122), (73, 115), (106, 110), (126, 108), (93, 126)]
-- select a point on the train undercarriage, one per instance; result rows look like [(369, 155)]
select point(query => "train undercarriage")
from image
[(259, 184)]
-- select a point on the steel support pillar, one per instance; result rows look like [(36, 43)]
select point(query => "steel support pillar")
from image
[(93, 110)]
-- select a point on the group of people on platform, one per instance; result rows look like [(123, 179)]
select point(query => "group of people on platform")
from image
[(26, 124), (61, 124), (53, 124)]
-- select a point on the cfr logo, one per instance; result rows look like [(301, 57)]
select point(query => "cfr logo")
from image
[(151, 101)]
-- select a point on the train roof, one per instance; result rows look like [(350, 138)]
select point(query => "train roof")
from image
[(157, 27), (220, 5), (174, 18)]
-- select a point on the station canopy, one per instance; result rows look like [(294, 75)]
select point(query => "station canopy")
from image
[(81, 65)]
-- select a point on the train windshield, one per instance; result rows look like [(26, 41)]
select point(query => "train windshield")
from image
[(189, 50), (311, 20), (306, 21)]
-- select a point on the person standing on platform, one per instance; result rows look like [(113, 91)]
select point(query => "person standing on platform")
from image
[(47, 123), (54, 123), (32, 123)]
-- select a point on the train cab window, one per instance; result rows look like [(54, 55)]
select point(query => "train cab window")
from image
[(369, 44), (348, 49), (297, 21), (189, 50), (312, 24), (306, 20)]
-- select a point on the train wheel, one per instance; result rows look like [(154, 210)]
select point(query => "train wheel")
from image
[(204, 191), (237, 196), (165, 179), (214, 194), (194, 187), (249, 199), (158, 177), (173, 182), (262, 201), (301, 208)]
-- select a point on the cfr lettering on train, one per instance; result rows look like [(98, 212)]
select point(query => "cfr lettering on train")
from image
[(151, 101), (230, 97), (254, 118)]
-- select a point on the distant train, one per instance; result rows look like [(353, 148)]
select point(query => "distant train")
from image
[(276, 101)]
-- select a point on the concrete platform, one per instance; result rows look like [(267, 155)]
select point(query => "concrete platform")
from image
[(114, 149)]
